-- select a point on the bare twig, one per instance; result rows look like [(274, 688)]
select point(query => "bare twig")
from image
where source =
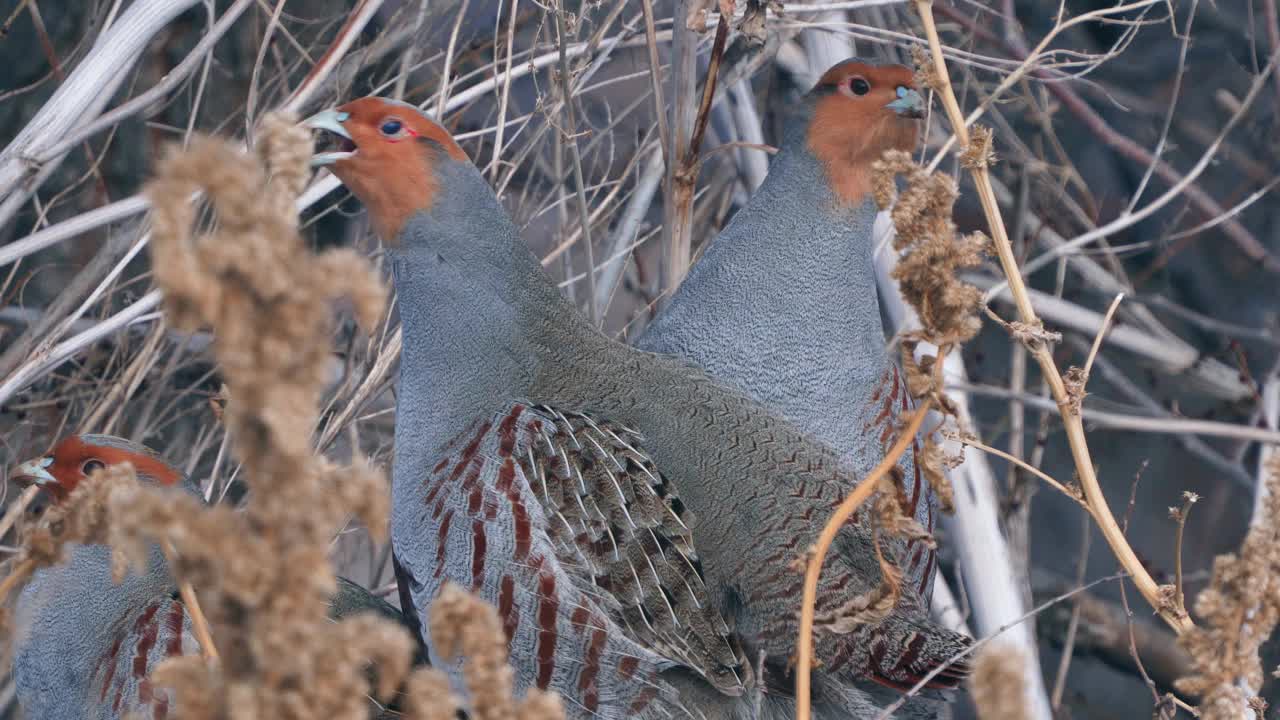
[(86, 91), (504, 96), (1020, 463), (1180, 515), (199, 623), (1073, 625), (1119, 421), (655, 81), (360, 16), (1102, 333), (16, 508), (1175, 358), (676, 247), (442, 95), (411, 54), (570, 136)]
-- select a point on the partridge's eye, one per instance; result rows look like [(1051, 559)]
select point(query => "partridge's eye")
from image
[(859, 86), (391, 127), (90, 465)]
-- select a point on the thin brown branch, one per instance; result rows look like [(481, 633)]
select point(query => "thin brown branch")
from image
[(199, 623), (1102, 333), (16, 508), (685, 177), (1019, 463), (655, 80), (818, 552), (1180, 515), (708, 92), (570, 136)]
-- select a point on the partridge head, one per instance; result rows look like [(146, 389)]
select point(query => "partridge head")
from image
[(633, 520), (75, 457), (857, 111)]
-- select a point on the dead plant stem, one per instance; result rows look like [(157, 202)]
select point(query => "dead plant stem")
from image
[(199, 624), (818, 551), (684, 178), (1102, 333), (655, 80), (16, 509), (570, 136), (1187, 501)]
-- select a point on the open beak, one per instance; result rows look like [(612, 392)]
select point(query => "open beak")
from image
[(330, 121), (34, 472), (909, 103)]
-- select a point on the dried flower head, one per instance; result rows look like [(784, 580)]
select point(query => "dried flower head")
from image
[(429, 696), (931, 462), (997, 683), (463, 625), (1238, 612), (979, 153), (1075, 381), (932, 253), (926, 73), (83, 518)]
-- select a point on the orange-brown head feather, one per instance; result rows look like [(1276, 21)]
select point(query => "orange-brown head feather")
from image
[(389, 165), (854, 121), (74, 458)]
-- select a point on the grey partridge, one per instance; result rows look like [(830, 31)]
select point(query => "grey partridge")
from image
[(85, 647), (782, 303), (635, 521)]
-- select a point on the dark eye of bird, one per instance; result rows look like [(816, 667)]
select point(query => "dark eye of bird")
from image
[(391, 127), (859, 86), (91, 465)]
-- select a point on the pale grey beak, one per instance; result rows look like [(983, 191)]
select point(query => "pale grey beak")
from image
[(331, 121), (909, 103), (34, 472)]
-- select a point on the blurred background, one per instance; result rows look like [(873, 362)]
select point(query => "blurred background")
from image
[(1155, 121)]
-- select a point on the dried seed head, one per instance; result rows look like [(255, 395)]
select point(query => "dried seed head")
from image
[(932, 253), (1224, 650), (979, 153), (926, 72), (997, 684)]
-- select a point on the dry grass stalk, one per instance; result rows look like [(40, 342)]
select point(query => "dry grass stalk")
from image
[(932, 254), (1239, 610), (997, 684), (818, 552)]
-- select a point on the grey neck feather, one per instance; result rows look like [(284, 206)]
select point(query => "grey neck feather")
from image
[(482, 312), (783, 304)]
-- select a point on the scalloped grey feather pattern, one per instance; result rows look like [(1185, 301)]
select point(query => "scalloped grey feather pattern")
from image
[(568, 529)]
